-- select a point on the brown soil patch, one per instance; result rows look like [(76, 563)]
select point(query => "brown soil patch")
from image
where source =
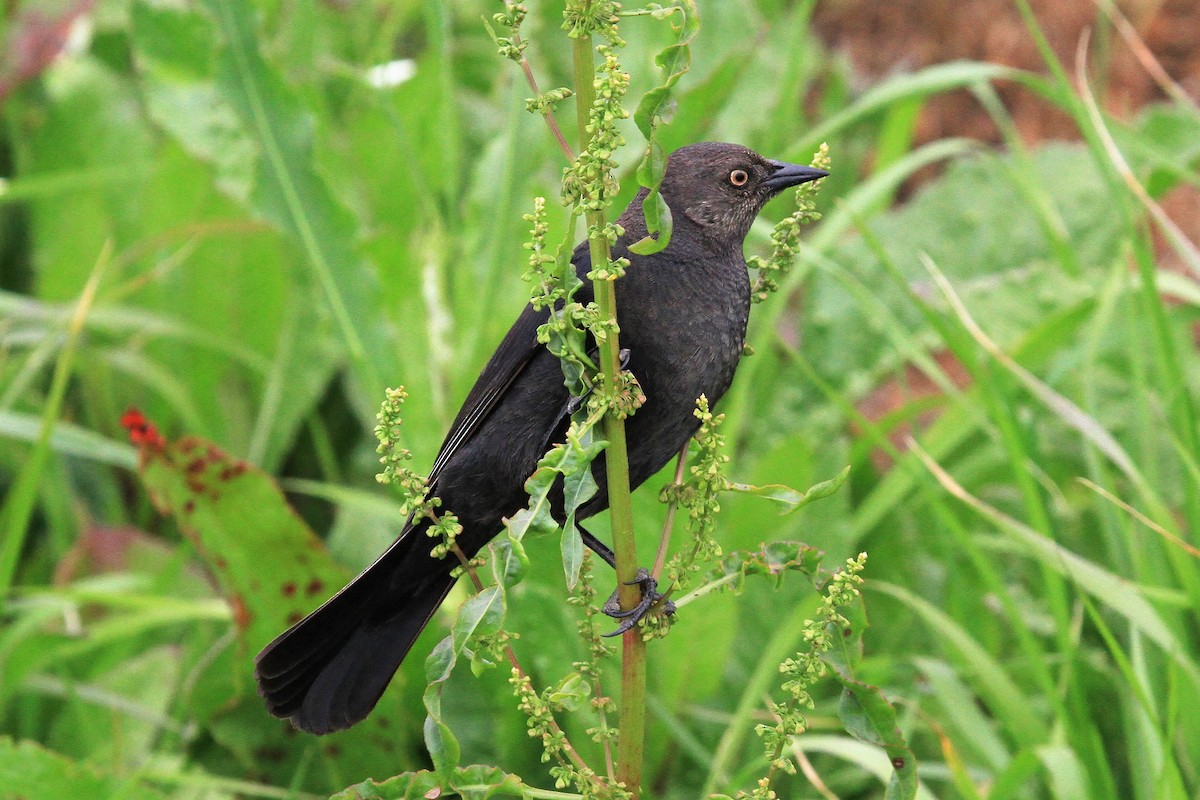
[(903, 35)]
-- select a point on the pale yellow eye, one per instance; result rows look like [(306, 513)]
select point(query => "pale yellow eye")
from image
[(739, 177)]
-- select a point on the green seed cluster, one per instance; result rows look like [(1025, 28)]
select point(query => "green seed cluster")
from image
[(785, 239), (698, 497), (511, 47), (762, 791), (542, 273), (627, 395), (414, 488), (589, 627), (547, 101), (803, 670), (541, 725), (589, 182), (392, 456), (553, 281), (588, 17)]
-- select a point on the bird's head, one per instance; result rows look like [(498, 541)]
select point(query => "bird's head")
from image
[(721, 187)]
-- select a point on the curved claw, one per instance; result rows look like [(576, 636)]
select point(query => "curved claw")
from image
[(650, 596)]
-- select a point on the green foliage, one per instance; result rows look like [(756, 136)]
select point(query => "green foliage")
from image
[(29, 770), (654, 109), (471, 783), (1032, 590), (270, 574), (698, 497)]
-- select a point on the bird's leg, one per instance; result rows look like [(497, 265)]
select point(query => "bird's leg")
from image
[(575, 403), (643, 580), (598, 547)]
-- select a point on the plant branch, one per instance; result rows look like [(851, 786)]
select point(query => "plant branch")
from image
[(669, 522), (547, 113)]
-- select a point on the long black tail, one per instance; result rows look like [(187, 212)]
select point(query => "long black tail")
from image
[(329, 670)]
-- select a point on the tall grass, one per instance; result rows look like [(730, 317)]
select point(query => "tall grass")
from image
[(1033, 581)]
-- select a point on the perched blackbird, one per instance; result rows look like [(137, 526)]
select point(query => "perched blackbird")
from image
[(682, 314)]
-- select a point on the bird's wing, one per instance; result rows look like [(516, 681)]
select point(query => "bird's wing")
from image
[(518, 347)]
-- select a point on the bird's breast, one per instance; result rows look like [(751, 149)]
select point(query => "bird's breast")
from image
[(684, 325)]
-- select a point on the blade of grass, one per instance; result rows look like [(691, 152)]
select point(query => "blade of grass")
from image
[(18, 505), (69, 439), (1111, 590)]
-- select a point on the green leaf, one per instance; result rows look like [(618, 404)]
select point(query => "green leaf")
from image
[(571, 692), (68, 439), (572, 552), (579, 486), (509, 561), (208, 85), (568, 460), (272, 570), (674, 60), (28, 770), (790, 499), (934, 79), (444, 749), (655, 108), (532, 519), (866, 713), (481, 615), (773, 561), (658, 221), (479, 782), (409, 786), (475, 782)]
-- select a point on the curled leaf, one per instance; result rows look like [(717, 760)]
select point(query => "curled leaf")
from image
[(774, 560), (792, 499), (656, 107), (481, 615)]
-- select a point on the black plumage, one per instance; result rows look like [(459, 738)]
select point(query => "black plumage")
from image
[(682, 314)]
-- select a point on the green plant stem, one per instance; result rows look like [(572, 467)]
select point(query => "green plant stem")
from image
[(633, 664), (547, 113)]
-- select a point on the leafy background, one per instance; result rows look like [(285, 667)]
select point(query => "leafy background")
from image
[(208, 211)]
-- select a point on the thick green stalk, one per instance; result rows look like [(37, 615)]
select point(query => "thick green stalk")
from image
[(616, 459)]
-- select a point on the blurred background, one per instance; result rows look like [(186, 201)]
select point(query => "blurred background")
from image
[(246, 219)]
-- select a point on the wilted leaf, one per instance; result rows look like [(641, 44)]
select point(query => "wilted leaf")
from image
[(272, 570)]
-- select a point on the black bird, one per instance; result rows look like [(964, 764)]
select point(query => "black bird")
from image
[(682, 314)]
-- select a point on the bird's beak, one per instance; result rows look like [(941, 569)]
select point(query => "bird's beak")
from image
[(786, 175)]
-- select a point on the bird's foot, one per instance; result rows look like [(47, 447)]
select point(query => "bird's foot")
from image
[(650, 596)]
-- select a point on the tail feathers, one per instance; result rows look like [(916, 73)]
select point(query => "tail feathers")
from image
[(329, 670), (353, 681)]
